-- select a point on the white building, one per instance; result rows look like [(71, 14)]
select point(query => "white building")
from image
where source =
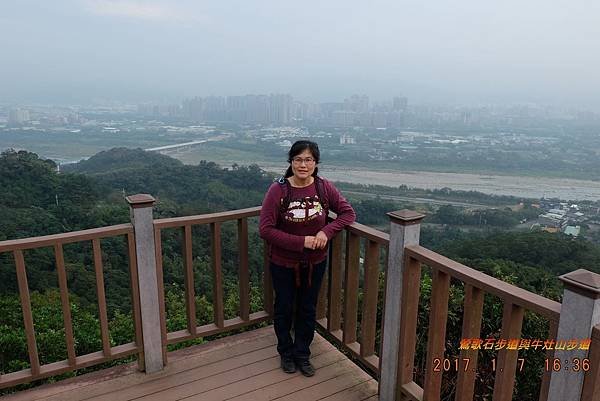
[(347, 140)]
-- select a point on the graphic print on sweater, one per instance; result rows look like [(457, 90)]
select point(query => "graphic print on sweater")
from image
[(304, 210)]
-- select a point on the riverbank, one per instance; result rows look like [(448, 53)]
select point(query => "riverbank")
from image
[(519, 186)]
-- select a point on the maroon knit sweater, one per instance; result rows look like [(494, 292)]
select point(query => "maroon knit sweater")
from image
[(305, 216)]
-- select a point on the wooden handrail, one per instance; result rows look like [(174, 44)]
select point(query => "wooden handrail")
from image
[(369, 233), (491, 285), (65, 238), (364, 231), (209, 218)]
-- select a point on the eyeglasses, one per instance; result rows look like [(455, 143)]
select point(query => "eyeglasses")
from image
[(307, 160)]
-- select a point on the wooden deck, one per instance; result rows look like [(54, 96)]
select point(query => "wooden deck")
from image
[(240, 367)]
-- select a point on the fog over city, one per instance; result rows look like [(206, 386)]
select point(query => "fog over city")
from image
[(464, 51)]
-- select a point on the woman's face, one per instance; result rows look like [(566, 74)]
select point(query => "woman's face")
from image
[(303, 165)]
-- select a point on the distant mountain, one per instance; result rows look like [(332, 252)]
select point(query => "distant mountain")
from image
[(122, 159), (201, 188)]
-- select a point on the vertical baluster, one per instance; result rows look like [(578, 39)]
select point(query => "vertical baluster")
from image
[(351, 287), (408, 324), (552, 333), (267, 281), (161, 292), (135, 300), (66, 306), (244, 275), (512, 320), (217, 274), (473, 309), (27, 315), (190, 294), (101, 297), (335, 285), (436, 340), (369, 314), (322, 300)]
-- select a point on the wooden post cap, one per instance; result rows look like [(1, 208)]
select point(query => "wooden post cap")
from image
[(140, 200), (583, 282), (405, 217)]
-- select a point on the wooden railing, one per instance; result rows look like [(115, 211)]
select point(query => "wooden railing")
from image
[(219, 324), (343, 327), (338, 306), (476, 284), (338, 300), (73, 361)]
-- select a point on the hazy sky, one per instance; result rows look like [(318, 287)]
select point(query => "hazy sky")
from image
[(452, 51)]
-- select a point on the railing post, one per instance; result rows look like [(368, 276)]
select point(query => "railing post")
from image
[(405, 227), (145, 251), (579, 313), (591, 383)]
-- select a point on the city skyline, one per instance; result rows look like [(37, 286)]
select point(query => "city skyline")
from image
[(375, 103), (467, 52)]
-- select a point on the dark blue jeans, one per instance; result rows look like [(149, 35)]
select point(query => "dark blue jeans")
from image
[(305, 298)]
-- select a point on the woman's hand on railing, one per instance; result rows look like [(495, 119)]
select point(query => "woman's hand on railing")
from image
[(318, 241), (321, 240), (310, 242)]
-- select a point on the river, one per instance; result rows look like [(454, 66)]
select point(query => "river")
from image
[(520, 186)]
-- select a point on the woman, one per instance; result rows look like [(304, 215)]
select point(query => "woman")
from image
[(293, 220)]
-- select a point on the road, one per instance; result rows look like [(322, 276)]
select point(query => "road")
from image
[(187, 144)]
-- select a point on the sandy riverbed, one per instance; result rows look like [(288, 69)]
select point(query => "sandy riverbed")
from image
[(522, 186)]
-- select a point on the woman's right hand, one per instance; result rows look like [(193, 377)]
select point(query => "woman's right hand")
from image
[(310, 242)]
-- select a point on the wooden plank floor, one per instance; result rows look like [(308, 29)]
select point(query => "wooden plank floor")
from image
[(240, 367)]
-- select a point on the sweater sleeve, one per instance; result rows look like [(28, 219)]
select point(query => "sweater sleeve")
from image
[(338, 204), (268, 223)]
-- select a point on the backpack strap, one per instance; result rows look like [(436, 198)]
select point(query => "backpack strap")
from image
[(322, 194), (286, 193)]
